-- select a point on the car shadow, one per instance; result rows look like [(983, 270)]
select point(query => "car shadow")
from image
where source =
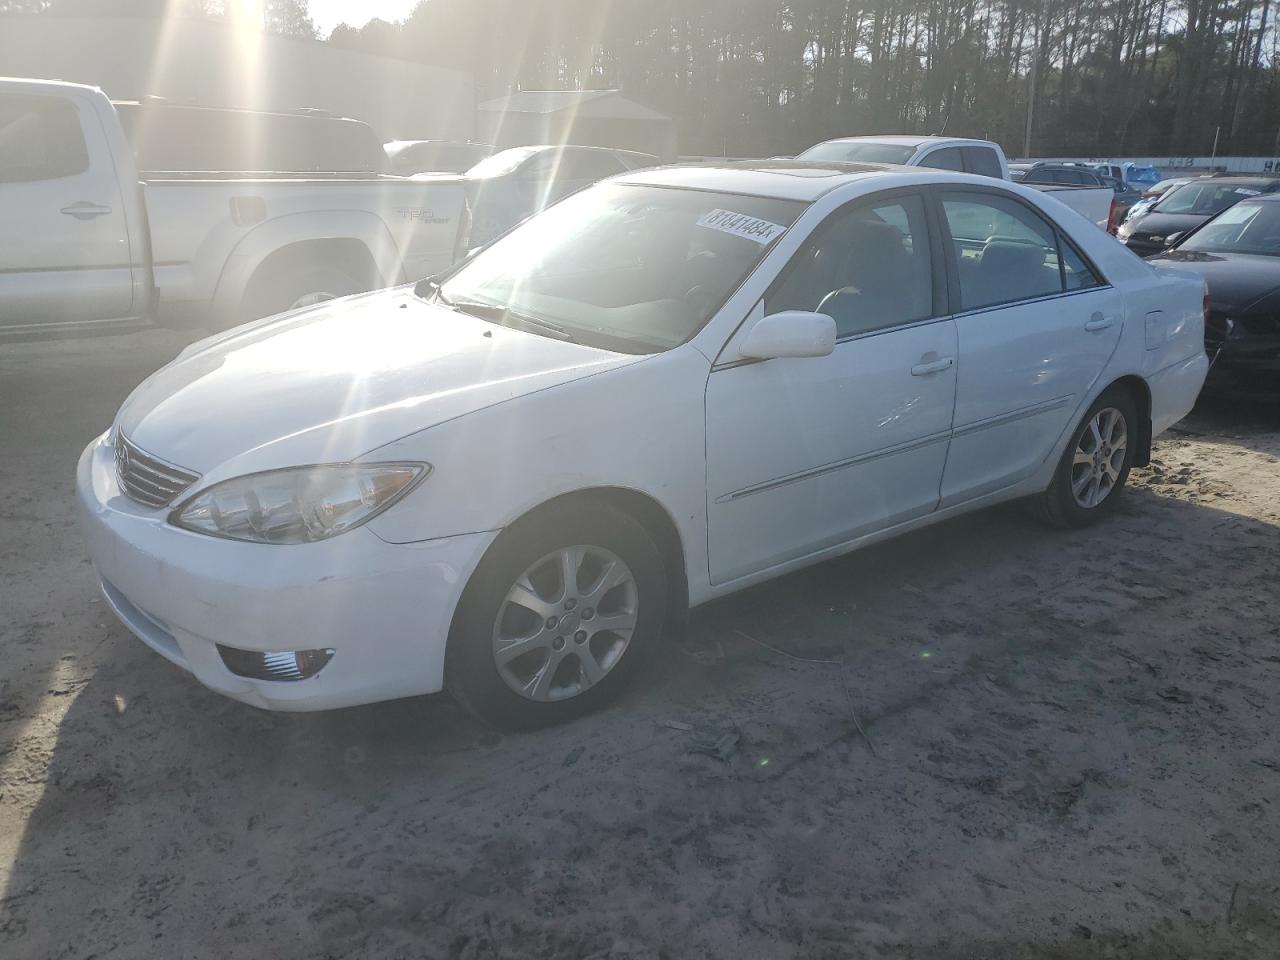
[(981, 734), (1236, 416)]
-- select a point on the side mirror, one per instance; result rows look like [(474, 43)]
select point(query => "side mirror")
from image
[(1173, 238), (791, 333)]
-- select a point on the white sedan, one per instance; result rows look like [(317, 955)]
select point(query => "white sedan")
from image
[(670, 386)]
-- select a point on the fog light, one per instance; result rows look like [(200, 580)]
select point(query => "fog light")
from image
[(274, 664)]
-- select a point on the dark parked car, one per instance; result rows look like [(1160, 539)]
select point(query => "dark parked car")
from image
[(1151, 195), (1042, 172), (1186, 208), (408, 157), (1238, 254), (514, 184)]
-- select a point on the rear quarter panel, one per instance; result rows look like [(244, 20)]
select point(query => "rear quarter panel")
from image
[(205, 253)]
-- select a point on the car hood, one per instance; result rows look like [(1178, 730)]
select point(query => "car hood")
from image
[(1237, 281), (1162, 224), (332, 382)]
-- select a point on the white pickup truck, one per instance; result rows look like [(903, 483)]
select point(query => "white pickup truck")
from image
[(1095, 204), (88, 242)]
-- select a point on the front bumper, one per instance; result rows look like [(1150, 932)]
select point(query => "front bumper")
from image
[(1143, 248), (1242, 350), (385, 609)]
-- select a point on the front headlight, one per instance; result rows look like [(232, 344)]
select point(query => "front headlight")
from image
[(298, 504)]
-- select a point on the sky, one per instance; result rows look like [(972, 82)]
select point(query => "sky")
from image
[(327, 14)]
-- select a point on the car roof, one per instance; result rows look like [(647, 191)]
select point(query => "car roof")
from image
[(899, 141), (804, 180)]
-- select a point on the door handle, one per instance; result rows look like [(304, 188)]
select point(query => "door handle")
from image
[(1098, 322), (84, 210), (933, 366)]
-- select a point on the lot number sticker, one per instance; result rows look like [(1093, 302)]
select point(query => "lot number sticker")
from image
[(740, 225)]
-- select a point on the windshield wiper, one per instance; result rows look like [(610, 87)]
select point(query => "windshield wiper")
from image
[(500, 315)]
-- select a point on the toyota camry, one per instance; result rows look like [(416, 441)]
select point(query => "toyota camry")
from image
[(510, 480)]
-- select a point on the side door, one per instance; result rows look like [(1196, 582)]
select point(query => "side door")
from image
[(64, 246), (805, 454), (1037, 323), (537, 183)]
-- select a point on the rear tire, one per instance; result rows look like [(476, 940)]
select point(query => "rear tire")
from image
[(1095, 466), (297, 287), (531, 644)]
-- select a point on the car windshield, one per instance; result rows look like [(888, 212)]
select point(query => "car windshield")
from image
[(502, 163), (1205, 199), (858, 151), (637, 269), (1244, 228)]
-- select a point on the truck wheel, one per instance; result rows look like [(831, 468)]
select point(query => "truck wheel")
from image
[(297, 287)]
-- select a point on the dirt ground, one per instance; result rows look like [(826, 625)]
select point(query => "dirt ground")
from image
[(1070, 750)]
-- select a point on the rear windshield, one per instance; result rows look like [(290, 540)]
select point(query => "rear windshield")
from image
[(858, 151), (502, 163), (211, 140), (412, 158)]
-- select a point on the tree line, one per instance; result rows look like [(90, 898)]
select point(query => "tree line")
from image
[(762, 77), (753, 77)]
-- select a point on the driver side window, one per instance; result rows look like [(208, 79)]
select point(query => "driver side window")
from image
[(868, 267)]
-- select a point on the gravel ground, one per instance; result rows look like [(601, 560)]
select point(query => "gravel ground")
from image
[(983, 740)]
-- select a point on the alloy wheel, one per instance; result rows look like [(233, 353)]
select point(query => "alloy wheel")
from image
[(565, 623), (311, 299), (1099, 457)]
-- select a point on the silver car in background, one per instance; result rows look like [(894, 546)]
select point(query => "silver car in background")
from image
[(514, 184)]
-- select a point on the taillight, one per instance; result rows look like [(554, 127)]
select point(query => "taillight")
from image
[(1205, 306), (1111, 217)]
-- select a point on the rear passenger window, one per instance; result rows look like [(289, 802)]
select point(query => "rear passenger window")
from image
[(40, 139), (948, 158), (1003, 251), (1076, 273), (868, 267), (983, 160)]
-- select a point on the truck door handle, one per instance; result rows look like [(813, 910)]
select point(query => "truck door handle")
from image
[(933, 366), (84, 210), (1098, 322)]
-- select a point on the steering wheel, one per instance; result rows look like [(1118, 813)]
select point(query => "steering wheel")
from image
[(701, 299)]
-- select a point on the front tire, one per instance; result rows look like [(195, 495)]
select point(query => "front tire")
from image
[(1092, 472), (564, 610)]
